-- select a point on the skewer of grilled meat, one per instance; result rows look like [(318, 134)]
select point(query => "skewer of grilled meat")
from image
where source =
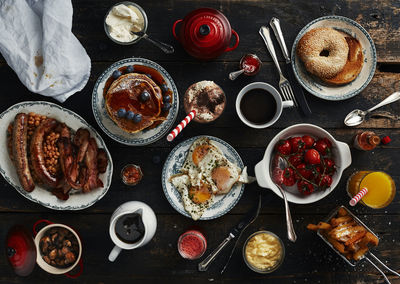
[(19, 151)]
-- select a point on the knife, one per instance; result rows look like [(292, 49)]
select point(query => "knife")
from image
[(297, 89), (236, 232)]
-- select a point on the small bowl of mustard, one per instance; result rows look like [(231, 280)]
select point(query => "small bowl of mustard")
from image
[(263, 252)]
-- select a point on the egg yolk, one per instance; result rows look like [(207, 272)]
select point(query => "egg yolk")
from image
[(221, 176), (200, 194), (199, 153)]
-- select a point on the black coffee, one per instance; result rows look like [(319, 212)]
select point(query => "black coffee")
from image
[(129, 228), (258, 106)]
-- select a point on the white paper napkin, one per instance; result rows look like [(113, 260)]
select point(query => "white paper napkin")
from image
[(37, 42)]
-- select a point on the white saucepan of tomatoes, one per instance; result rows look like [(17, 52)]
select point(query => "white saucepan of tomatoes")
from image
[(313, 163)]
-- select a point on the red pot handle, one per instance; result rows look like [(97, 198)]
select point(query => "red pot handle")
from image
[(174, 27), (73, 276), (236, 43), (38, 222)]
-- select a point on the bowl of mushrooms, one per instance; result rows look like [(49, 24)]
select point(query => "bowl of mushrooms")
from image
[(59, 248)]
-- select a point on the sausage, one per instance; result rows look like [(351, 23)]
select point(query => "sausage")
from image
[(37, 154), (19, 151)]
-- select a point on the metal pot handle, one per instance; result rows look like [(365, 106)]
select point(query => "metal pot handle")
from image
[(236, 42), (174, 27), (39, 222), (73, 276)]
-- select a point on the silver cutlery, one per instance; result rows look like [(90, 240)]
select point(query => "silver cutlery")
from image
[(297, 89), (284, 84), (236, 232), (161, 45), (289, 222), (357, 116)]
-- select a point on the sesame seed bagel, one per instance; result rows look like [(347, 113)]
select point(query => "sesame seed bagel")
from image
[(319, 40)]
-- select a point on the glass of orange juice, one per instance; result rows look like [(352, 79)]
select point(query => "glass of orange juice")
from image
[(380, 185)]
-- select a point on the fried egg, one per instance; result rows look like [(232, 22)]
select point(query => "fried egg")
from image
[(205, 173)]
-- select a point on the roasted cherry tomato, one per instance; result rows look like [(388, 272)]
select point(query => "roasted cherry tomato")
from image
[(326, 181), (305, 187), (297, 144), (288, 177), (308, 141), (323, 146), (277, 176), (312, 157), (296, 159), (329, 165), (284, 147), (302, 169)]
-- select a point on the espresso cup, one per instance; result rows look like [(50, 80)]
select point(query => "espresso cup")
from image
[(149, 221), (280, 104)]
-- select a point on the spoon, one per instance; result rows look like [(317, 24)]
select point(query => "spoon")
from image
[(161, 45), (357, 116), (289, 223), (249, 64)]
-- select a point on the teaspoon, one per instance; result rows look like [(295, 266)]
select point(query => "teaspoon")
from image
[(357, 116), (161, 45)]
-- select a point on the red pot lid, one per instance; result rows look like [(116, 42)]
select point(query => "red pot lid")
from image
[(206, 33), (20, 250)]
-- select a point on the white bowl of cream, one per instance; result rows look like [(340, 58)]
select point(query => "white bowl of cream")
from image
[(121, 19)]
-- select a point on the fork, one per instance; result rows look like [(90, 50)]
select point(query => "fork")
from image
[(284, 84)]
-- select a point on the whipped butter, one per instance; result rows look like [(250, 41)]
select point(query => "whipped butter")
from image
[(121, 20), (263, 251)]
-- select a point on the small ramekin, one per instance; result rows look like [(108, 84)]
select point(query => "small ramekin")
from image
[(255, 269), (145, 23)]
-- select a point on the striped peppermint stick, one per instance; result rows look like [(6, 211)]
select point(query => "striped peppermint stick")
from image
[(358, 196), (178, 129)]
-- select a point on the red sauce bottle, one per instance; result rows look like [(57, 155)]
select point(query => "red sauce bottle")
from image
[(192, 244), (366, 140)]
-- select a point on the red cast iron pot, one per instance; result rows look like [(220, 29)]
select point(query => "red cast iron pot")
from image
[(205, 33)]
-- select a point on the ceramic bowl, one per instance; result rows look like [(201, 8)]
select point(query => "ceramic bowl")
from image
[(47, 267), (145, 22), (341, 156)]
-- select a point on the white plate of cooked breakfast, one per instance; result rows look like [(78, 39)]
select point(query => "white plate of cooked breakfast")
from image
[(203, 177), (135, 101), (53, 157), (334, 58)]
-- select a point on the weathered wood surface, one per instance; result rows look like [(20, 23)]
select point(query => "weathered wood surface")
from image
[(309, 260)]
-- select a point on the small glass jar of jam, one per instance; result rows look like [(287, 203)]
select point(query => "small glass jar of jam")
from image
[(131, 174), (192, 244)]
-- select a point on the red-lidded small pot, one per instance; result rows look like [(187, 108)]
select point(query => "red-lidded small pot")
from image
[(205, 33), (23, 250)]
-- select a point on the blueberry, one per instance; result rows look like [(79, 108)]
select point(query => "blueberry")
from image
[(137, 118), (145, 96), (130, 115), (130, 69), (166, 107), (116, 74), (166, 99), (121, 112), (148, 75), (164, 88)]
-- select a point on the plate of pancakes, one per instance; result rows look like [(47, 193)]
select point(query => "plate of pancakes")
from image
[(203, 177), (135, 101), (333, 58)]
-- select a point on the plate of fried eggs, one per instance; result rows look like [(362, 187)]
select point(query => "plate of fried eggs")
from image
[(203, 177)]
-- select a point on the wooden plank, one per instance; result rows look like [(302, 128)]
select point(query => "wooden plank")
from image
[(380, 18), (150, 190), (308, 260), (328, 114)]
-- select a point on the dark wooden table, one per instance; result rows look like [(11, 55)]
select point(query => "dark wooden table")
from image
[(307, 260)]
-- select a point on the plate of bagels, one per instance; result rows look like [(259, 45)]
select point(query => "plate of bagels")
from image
[(334, 58)]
